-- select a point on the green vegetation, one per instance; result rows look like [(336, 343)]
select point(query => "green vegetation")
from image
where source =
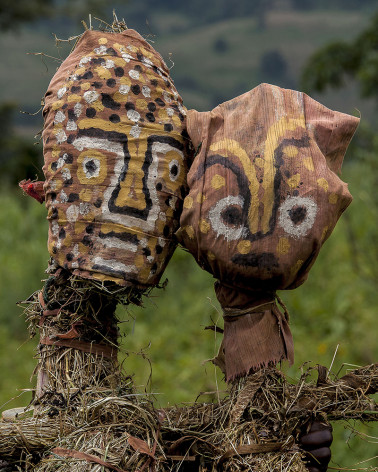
[(214, 60)]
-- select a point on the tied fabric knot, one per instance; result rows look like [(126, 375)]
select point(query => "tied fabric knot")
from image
[(256, 332)]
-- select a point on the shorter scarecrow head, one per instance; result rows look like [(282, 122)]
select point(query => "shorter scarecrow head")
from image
[(264, 193)]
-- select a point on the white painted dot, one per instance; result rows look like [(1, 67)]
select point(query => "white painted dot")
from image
[(124, 89), (170, 111), (101, 50), (59, 117), (61, 92), (167, 97), (84, 208), (61, 136), (147, 62), (78, 109), (66, 174), (135, 131), (126, 57), (61, 161), (181, 108), (71, 125), (109, 64), (54, 228), (90, 96), (133, 115), (63, 197), (146, 91), (84, 60), (72, 213), (134, 74)]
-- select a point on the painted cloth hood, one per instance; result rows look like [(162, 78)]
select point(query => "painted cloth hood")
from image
[(115, 150), (264, 195)]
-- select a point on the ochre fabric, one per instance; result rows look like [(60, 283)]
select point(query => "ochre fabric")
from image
[(264, 195), (115, 150)]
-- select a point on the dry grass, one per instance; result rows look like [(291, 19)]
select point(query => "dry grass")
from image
[(89, 417), (255, 428)]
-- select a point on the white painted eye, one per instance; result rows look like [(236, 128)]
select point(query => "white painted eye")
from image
[(174, 170), (226, 218), (91, 167), (297, 215)]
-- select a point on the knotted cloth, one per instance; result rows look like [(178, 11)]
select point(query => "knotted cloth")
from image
[(264, 195), (115, 149)]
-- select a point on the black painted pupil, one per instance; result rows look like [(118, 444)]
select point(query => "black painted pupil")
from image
[(174, 170), (297, 214), (91, 167), (232, 215)]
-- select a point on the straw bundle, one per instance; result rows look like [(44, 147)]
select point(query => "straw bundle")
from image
[(256, 427)]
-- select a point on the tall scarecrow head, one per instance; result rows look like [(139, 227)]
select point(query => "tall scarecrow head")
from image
[(115, 150)]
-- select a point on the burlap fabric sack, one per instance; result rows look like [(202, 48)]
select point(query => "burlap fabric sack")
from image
[(115, 150), (264, 196)]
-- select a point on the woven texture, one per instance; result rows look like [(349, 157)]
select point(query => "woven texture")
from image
[(264, 196), (115, 150)]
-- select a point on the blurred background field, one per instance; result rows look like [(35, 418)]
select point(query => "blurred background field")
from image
[(217, 50)]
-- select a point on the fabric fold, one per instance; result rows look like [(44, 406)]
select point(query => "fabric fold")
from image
[(256, 332)]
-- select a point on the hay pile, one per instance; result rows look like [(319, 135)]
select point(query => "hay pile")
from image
[(87, 416), (255, 428)]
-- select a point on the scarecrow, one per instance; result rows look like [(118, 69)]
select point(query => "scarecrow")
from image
[(116, 155), (264, 195), (261, 197)]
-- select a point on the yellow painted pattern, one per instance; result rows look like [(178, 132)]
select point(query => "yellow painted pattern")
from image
[(188, 202), (309, 163), (218, 182), (103, 73), (324, 234), (293, 181), (244, 246), (323, 184), (86, 195), (189, 231), (210, 256), (283, 246), (232, 146), (290, 151), (131, 192), (204, 226), (275, 133), (73, 98)]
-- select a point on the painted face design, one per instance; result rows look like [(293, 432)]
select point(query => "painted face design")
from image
[(263, 196), (115, 151)]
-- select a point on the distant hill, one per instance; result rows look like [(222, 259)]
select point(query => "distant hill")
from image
[(210, 62)]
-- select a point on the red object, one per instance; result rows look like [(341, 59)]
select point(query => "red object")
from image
[(33, 189)]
